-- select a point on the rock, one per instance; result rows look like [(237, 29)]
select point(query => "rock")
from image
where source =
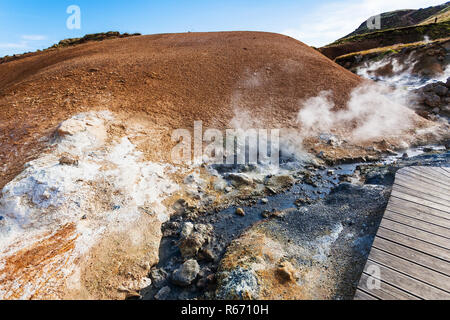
[(186, 273), (240, 212), (70, 127), (432, 100), (179, 206), (68, 161), (186, 229), (192, 241), (190, 246), (405, 156), (330, 139), (228, 189), (220, 185), (286, 272), (264, 200), (445, 110), (239, 179), (239, 284), (279, 183), (163, 294), (440, 90), (159, 277), (132, 295), (265, 214), (447, 84), (428, 149), (208, 254)]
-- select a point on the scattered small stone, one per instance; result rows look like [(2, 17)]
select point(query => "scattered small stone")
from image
[(265, 214), (84, 217), (240, 212), (228, 189), (264, 200)]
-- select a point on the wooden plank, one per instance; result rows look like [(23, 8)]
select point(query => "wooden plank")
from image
[(385, 290), (422, 225), (414, 172), (416, 244), (423, 188), (418, 200), (412, 245), (443, 171), (361, 295), (432, 172), (408, 284), (411, 269), (426, 181), (428, 176), (416, 233), (425, 194), (412, 182), (435, 173), (412, 255), (436, 220), (408, 205)]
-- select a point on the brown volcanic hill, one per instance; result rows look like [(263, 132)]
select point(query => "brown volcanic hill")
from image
[(168, 79)]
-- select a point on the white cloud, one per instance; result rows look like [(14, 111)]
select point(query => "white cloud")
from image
[(18, 45), (34, 37), (334, 20), (27, 42)]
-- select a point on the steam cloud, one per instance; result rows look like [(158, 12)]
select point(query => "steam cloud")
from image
[(372, 111)]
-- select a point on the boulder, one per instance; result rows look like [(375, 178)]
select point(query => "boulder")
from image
[(240, 179), (186, 273), (441, 90), (193, 238), (432, 100)]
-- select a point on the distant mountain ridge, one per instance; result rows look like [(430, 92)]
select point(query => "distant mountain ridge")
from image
[(407, 17)]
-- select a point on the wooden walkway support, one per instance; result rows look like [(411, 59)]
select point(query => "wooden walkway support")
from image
[(410, 256)]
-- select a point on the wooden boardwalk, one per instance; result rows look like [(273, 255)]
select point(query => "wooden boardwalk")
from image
[(410, 256)]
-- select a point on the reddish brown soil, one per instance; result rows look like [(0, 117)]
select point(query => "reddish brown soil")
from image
[(170, 79)]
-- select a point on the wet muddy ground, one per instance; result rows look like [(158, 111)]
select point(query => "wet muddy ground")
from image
[(319, 196)]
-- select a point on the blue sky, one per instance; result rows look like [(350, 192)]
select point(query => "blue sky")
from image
[(28, 25)]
